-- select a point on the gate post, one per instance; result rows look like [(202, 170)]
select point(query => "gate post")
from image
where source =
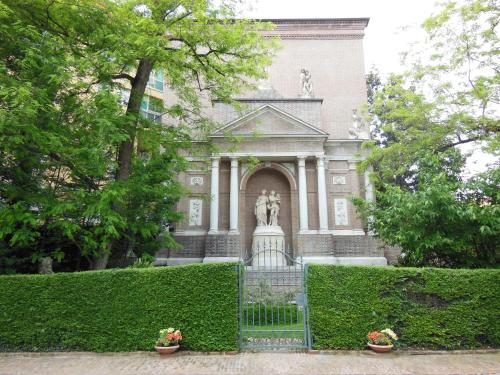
[(306, 307), (240, 269)]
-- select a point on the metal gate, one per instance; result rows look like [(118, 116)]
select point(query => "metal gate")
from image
[(273, 302)]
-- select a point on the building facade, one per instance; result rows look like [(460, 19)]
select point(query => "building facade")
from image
[(299, 135)]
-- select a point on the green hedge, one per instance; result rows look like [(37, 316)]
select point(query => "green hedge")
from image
[(428, 308), (120, 310)]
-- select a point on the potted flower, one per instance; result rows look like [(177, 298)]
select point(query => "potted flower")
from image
[(168, 342), (383, 341)]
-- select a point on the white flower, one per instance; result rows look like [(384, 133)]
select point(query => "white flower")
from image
[(170, 330), (389, 332)]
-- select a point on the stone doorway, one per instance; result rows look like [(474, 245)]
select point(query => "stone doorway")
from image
[(267, 178)]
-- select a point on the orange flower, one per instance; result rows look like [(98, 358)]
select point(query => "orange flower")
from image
[(372, 336)]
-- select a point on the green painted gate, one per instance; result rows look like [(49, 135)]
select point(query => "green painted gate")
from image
[(273, 302)]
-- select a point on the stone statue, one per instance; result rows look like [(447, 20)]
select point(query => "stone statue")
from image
[(274, 208), (261, 208), (306, 83), (265, 83), (268, 239), (45, 266), (358, 131)]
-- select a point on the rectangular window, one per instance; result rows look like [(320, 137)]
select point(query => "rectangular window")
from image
[(155, 104), (144, 103), (152, 108), (156, 80)]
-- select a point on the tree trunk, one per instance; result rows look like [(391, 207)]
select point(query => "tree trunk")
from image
[(126, 149), (100, 262), (133, 109)]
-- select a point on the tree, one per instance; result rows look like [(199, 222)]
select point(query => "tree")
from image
[(80, 174), (421, 119), (444, 221)]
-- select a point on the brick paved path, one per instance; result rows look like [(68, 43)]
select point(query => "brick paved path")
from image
[(145, 363)]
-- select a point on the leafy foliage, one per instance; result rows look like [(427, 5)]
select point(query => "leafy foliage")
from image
[(120, 310), (82, 177), (427, 308), (420, 120), (444, 221), (447, 98)]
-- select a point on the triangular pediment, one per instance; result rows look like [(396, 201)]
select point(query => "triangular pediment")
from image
[(269, 121)]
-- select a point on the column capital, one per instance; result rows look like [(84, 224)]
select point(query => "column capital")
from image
[(215, 161), (234, 161), (302, 160), (352, 164), (320, 161)]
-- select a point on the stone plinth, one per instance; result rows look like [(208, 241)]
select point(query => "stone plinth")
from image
[(268, 246)]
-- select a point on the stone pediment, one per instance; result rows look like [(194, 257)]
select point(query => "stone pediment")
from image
[(269, 121)]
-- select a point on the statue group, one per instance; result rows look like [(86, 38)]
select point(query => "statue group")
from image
[(267, 208)]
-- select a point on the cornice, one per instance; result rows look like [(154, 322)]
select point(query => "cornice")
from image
[(284, 100), (338, 36), (360, 21), (318, 28)]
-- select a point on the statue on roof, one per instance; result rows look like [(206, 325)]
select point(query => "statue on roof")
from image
[(359, 128), (306, 83)]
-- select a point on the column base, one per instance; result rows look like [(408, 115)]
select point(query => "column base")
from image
[(176, 261), (366, 261), (223, 244), (307, 231), (220, 259)]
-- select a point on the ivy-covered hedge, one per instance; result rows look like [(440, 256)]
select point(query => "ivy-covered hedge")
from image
[(120, 310), (427, 308)]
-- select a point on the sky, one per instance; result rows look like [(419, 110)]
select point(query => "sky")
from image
[(394, 26)]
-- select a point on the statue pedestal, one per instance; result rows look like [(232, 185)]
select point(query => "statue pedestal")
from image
[(268, 246)]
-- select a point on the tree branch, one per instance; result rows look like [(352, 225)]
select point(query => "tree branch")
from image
[(459, 142), (126, 76)]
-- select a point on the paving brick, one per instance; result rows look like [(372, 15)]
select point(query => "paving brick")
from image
[(290, 363)]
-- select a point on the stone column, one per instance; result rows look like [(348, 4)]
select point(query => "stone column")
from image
[(322, 200), (214, 192), (369, 195), (303, 219), (233, 202)]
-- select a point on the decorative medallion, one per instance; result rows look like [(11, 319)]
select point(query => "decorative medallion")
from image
[(197, 181), (339, 180)]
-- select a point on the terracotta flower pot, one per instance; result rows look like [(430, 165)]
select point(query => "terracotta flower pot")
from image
[(380, 348), (166, 349)]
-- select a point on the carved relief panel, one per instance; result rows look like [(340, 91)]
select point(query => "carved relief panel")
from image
[(195, 212), (340, 210)]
